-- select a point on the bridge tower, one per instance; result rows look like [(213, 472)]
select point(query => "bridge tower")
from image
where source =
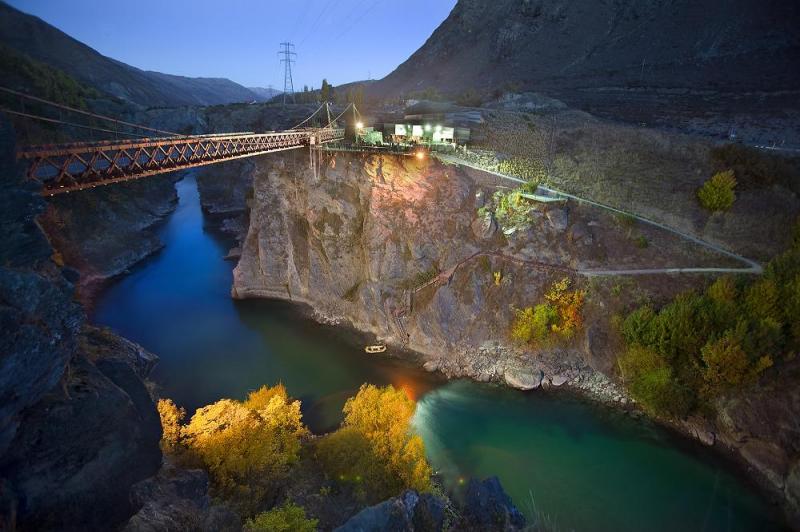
[(287, 51)]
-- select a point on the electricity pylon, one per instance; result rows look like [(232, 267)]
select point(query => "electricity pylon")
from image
[(287, 51)]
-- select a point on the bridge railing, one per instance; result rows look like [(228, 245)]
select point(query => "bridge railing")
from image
[(64, 168)]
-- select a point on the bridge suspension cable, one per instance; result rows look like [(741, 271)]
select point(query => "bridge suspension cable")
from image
[(309, 117), (71, 124), (340, 115), (87, 113)]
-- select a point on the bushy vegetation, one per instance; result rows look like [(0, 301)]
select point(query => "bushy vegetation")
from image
[(171, 422), (558, 317), (252, 451), (754, 168), (374, 450), (469, 98), (286, 518), (509, 208), (41, 80), (717, 194), (701, 345), (531, 170), (248, 448)]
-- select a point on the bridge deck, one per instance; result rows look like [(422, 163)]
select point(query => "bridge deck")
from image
[(64, 168)]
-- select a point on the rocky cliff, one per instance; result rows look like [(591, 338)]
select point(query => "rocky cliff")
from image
[(77, 425), (393, 246)]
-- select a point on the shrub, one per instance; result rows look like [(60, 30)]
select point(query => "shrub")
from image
[(752, 167), (171, 419), (533, 324), (374, 448), (568, 304), (561, 314), (718, 341), (286, 518), (650, 380), (726, 364), (530, 170), (511, 209), (717, 194)]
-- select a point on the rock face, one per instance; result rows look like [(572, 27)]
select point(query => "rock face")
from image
[(488, 507), (409, 512), (359, 240), (104, 231), (176, 500), (763, 426), (79, 449), (77, 425), (389, 244), (682, 62)]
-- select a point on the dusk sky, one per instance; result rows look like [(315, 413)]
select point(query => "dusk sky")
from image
[(342, 40)]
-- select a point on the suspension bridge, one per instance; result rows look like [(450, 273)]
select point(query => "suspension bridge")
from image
[(63, 168)]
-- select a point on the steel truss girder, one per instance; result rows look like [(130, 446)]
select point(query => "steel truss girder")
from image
[(65, 168)]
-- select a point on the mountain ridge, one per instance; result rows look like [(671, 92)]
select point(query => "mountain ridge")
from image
[(43, 42)]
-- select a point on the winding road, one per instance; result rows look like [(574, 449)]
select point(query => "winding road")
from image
[(753, 267)]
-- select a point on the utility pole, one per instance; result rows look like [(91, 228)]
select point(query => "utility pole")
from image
[(287, 51)]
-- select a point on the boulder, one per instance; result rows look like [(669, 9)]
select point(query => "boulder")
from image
[(580, 234), (409, 512), (79, 450), (177, 499), (523, 378), (558, 219), (488, 507), (484, 228)]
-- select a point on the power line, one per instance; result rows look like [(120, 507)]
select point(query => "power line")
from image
[(357, 20), (313, 26), (87, 113), (71, 124)]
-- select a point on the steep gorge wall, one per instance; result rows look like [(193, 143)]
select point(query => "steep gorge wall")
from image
[(77, 425), (354, 238)]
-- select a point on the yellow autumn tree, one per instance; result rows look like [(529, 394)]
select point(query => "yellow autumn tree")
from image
[(247, 448), (374, 448), (171, 418)]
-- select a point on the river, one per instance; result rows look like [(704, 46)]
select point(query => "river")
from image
[(584, 466)]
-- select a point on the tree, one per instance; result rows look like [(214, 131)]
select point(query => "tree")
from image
[(726, 363), (326, 92), (171, 419), (561, 314), (286, 518), (717, 194), (650, 380), (374, 448), (247, 448)]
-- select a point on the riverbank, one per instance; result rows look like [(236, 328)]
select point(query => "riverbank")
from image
[(186, 265), (178, 305)]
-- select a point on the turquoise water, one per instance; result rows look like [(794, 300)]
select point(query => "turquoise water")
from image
[(583, 466)]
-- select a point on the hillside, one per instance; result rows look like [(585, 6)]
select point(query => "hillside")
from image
[(265, 93), (41, 41), (614, 57)]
